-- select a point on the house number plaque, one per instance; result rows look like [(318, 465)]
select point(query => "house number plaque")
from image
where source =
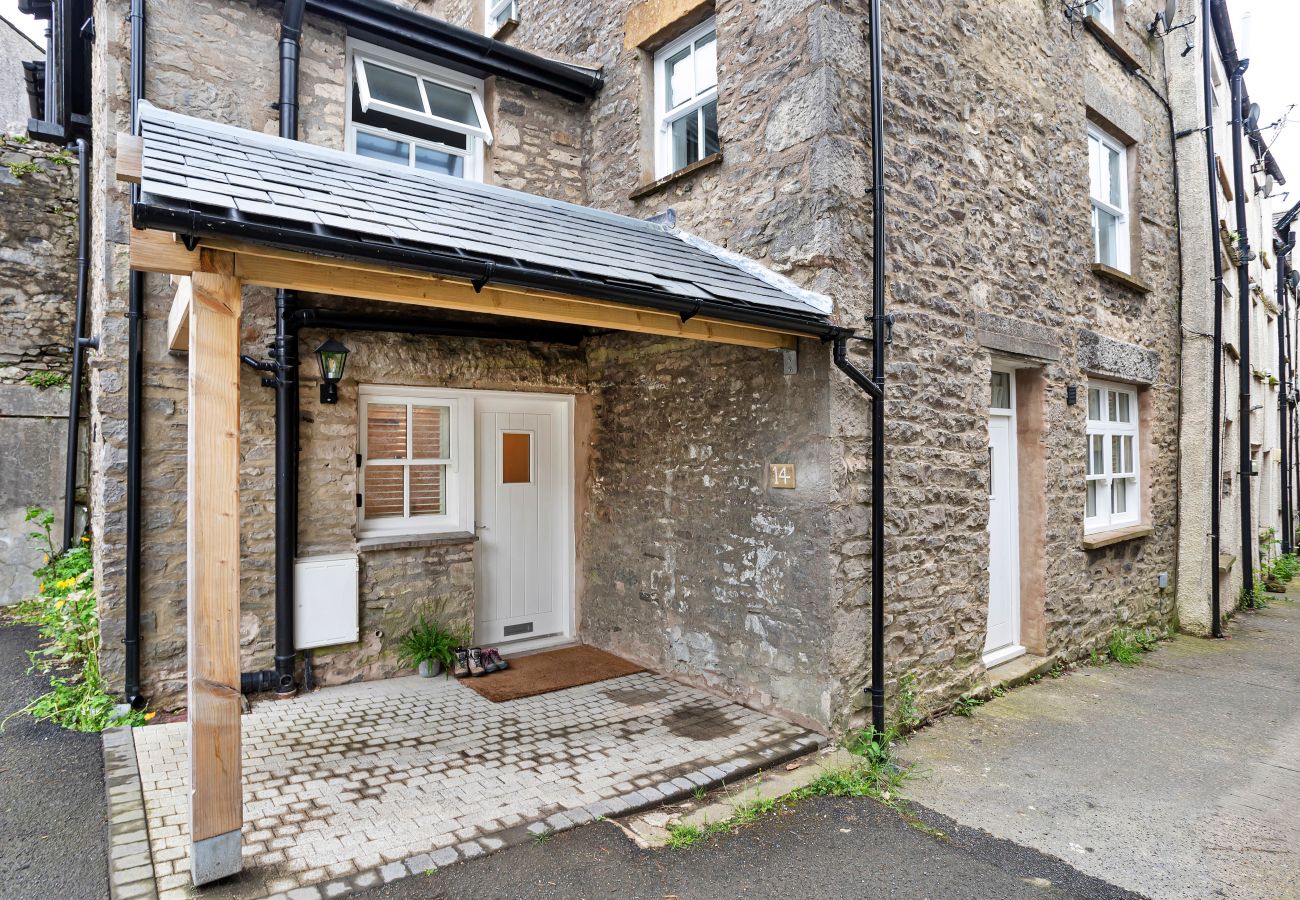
[(780, 475)]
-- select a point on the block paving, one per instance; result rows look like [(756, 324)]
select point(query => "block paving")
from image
[(355, 785)]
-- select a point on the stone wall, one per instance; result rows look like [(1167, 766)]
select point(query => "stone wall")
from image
[(760, 594), (38, 267), (15, 49)]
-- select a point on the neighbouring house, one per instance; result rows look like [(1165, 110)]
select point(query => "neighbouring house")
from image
[(1262, 361), (38, 263), (588, 262)]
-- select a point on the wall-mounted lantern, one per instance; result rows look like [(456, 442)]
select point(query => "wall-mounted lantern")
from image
[(333, 357)]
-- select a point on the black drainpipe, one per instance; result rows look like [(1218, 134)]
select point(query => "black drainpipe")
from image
[(875, 385), (1283, 380), (134, 391), (1243, 334), (79, 344), (1216, 412), (284, 364)]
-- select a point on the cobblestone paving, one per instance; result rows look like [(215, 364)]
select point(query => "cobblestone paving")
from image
[(363, 777)]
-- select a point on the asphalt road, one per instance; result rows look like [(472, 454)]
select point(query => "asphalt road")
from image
[(825, 848), (53, 818)]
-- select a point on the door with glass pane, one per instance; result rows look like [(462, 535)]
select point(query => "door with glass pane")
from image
[(523, 588), (1003, 637)]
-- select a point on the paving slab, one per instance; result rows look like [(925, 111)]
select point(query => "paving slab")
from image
[(344, 785), (1176, 778)]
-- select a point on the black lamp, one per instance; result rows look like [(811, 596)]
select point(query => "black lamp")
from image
[(333, 357)]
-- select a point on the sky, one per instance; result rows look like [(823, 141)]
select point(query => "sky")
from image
[(1267, 32), (26, 24)]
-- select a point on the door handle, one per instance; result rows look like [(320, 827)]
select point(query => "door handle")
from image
[(478, 527)]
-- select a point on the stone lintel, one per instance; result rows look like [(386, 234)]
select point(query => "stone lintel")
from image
[(650, 21), (26, 401), (1003, 334), (1109, 358), (1109, 109)]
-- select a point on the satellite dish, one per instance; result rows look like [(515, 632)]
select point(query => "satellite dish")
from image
[(1171, 10), (1268, 185), (1252, 119)]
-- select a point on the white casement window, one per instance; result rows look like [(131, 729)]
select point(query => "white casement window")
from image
[(416, 450), (686, 100), (1108, 171), (1103, 11), (498, 14), (414, 114), (1113, 497)]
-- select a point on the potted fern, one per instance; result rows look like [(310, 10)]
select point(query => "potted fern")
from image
[(429, 647)]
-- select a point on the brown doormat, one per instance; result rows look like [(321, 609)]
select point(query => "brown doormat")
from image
[(554, 670)]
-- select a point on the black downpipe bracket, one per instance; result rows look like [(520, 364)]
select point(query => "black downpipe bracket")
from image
[(1243, 332), (1216, 399), (875, 385), (134, 395), (1283, 382), (80, 343)]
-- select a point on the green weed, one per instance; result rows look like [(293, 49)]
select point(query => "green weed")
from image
[(65, 612), (966, 704), (907, 711), (47, 380)]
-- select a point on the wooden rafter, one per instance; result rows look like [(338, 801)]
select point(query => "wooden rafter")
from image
[(154, 251)]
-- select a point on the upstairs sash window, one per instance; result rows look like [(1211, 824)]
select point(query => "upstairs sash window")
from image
[(1108, 178), (686, 100)]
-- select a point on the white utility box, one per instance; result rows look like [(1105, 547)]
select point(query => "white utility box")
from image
[(325, 601)]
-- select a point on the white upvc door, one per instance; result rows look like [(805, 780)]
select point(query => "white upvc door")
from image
[(1003, 640), (523, 518)]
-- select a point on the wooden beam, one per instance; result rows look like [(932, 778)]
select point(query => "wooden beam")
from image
[(212, 547), (153, 251), (161, 251), (178, 320), (130, 157)]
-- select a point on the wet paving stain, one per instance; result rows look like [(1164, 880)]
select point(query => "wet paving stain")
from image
[(700, 722)]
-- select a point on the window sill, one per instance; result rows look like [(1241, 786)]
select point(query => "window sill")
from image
[(1109, 273), (1111, 42), (507, 27), (685, 172), (1101, 539), (375, 543)]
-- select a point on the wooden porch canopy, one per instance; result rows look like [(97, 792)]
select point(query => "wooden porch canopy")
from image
[(221, 207), (292, 215)]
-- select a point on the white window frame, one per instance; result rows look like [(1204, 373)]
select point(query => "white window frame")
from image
[(459, 486), (664, 118), (492, 9), (1103, 11), (477, 138), (1110, 430), (1096, 171)]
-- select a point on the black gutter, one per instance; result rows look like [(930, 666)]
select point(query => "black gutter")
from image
[(194, 224), (134, 395), (332, 320), (1280, 263), (458, 47), (875, 385), (1216, 413), (80, 343), (1243, 332)]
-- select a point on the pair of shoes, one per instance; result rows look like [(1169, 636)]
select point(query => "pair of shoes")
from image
[(473, 662)]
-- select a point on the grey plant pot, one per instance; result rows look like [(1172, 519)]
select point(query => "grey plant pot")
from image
[(430, 667)]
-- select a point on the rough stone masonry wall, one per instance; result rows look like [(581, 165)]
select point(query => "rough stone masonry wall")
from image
[(38, 265), (987, 193)]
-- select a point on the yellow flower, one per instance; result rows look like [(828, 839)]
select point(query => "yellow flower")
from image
[(47, 557), (85, 539), (58, 605), (41, 589), (148, 717)]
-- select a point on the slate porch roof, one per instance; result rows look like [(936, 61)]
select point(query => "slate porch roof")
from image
[(201, 177)]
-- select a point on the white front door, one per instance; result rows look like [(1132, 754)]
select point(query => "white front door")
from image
[(523, 586), (1003, 640)]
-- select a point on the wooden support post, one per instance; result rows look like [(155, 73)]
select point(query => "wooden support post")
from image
[(178, 320), (212, 544)]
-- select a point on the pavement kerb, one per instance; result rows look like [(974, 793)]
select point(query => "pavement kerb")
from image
[(130, 863), (650, 828)]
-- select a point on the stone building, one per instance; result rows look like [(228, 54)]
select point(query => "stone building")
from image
[(1262, 179), (1033, 367), (16, 50)]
